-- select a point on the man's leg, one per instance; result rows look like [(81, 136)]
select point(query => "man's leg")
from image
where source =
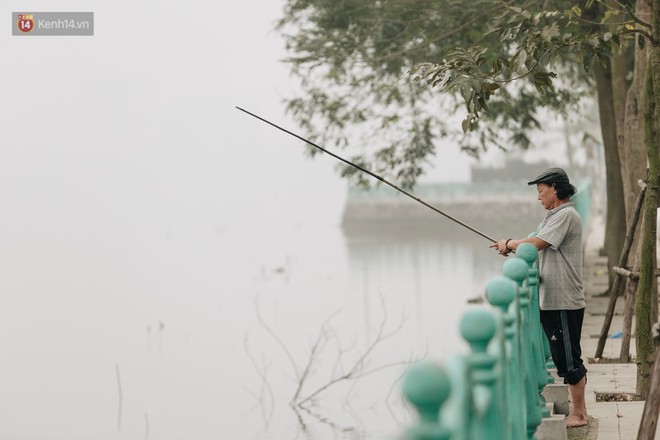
[(578, 415), (576, 378)]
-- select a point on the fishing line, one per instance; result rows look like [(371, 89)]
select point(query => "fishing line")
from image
[(376, 176)]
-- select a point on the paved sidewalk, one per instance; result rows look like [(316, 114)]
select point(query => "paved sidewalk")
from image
[(611, 420)]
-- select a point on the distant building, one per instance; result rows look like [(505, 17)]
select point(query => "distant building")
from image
[(497, 200)]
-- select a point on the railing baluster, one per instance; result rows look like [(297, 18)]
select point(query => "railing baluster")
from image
[(478, 328), (501, 293), (517, 270), (529, 254), (426, 386)]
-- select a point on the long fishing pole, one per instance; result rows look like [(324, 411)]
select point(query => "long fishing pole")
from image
[(376, 176)]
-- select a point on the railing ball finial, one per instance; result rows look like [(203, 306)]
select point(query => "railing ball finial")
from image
[(478, 328), (516, 269), (426, 386), (527, 252), (500, 292)]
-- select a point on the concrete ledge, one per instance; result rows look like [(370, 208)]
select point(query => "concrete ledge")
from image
[(552, 428), (557, 394)]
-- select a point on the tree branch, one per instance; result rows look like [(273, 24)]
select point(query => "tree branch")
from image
[(265, 387), (355, 371), (640, 32), (279, 341), (630, 12), (308, 367), (449, 33)]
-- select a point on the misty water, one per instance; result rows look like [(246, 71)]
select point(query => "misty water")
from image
[(204, 334)]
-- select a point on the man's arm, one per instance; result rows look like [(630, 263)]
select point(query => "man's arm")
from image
[(507, 245)]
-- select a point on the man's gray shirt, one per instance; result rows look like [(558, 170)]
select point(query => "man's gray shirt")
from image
[(560, 264)]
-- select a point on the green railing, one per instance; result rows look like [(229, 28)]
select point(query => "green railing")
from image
[(494, 392)]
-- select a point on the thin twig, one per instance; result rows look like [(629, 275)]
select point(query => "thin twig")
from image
[(628, 9), (121, 398), (383, 367), (400, 398), (277, 338), (340, 356), (608, 23), (316, 348), (641, 32), (310, 361), (359, 364), (321, 419), (265, 387)]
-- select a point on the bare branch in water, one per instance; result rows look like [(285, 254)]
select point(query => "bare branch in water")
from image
[(356, 371), (317, 347), (277, 338), (341, 371), (265, 387), (320, 418), (400, 397)]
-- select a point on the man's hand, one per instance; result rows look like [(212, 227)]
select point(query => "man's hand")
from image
[(501, 248)]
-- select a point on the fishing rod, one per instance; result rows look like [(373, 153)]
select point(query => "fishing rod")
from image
[(376, 176)]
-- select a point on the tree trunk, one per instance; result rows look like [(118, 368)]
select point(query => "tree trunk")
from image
[(644, 310), (615, 226), (634, 149), (649, 422), (619, 64)]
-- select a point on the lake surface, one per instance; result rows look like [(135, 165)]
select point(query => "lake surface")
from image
[(205, 334)]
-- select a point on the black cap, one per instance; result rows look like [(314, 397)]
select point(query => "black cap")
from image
[(551, 175)]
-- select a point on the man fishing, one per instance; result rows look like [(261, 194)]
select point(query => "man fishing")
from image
[(559, 241), (561, 298)]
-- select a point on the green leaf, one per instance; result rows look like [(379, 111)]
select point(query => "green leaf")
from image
[(522, 57), (550, 32), (469, 123), (610, 13), (491, 88), (576, 11)]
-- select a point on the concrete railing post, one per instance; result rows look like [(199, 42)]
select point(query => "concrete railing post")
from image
[(478, 328), (426, 387), (500, 293), (517, 270), (528, 253)]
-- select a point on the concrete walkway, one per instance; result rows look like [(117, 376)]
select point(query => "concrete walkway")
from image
[(610, 420)]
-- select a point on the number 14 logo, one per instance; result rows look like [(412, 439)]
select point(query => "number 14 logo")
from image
[(25, 22)]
